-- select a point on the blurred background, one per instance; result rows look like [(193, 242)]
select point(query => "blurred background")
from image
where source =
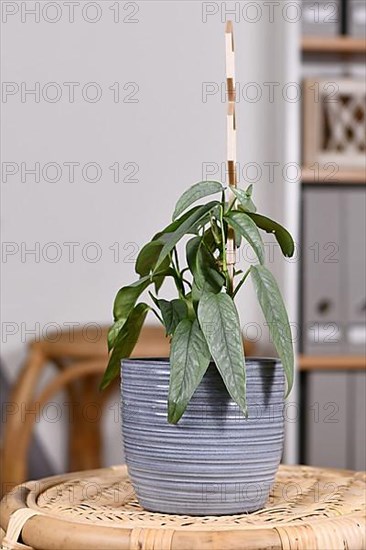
[(110, 109)]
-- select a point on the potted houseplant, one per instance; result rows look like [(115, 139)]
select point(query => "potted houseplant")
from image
[(203, 430)]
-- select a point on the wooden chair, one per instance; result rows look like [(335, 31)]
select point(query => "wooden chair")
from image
[(79, 363)]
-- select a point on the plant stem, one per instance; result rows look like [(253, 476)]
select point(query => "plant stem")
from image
[(187, 282), (214, 231), (180, 288), (242, 281), (158, 316), (231, 206), (175, 266), (175, 252), (224, 262)]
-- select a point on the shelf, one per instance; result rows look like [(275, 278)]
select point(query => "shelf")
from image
[(330, 362), (325, 177), (333, 44)]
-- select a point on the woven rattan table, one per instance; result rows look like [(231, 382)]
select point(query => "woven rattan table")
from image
[(309, 508)]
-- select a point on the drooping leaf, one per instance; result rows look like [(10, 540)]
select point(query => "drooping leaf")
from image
[(172, 312), (125, 342), (189, 359), (220, 325), (244, 198), (158, 283), (244, 225), (274, 311), (196, 294), (283, 237), (113, 332), (127, 296), (237, 238), (212, 236), (208, 275), (148, 256), (203, 266), (214, 212), (182, 229), (209, 240), (194, 193), (164, 234), (191, 253)]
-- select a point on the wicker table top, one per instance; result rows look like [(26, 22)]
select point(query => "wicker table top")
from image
[(309, 508)]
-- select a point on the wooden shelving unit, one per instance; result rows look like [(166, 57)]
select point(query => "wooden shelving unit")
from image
[(327, 378), (330, 362), (324, 177), (333, 44)]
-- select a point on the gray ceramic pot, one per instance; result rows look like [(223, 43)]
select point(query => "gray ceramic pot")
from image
[(214, 461)]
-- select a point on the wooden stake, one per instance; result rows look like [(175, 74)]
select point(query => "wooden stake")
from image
[(231, 137)]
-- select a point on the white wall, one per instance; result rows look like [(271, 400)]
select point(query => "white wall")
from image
[(168, 54)]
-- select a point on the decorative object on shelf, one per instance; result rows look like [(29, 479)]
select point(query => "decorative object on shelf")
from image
[(307, 508), (335, 123), (227, 434)]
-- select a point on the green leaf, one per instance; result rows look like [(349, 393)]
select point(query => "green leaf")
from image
[(244, 198), (283, 237), (189, 359), (123, 304), (237, 238), (203, 266), (148, 256), (172, 312), (191, 254), (220, 325), (127, 296), (274, 310), (158, 282), (164, 235), (244, 225), (208, 275), (194, 193), (213, 213), (125, 342), (212, 236), (183, 229), (113, 332), (196, 294)]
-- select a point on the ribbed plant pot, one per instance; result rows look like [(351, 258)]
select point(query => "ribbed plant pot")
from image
[(214, 461)]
